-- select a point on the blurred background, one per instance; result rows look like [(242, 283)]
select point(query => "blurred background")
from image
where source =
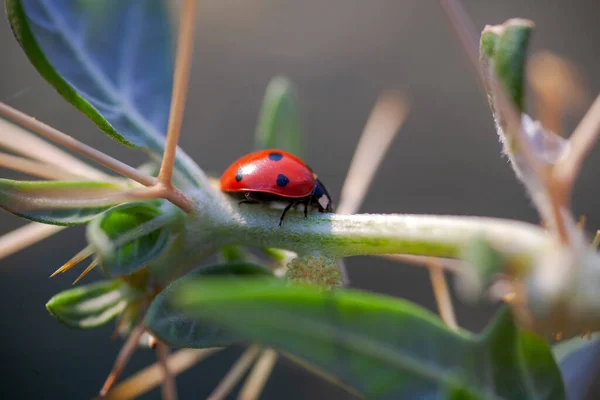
[(341, 54)]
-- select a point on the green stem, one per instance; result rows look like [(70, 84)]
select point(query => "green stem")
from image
[(218, 222)]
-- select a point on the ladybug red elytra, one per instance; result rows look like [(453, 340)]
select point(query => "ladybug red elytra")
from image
[(275, 176)]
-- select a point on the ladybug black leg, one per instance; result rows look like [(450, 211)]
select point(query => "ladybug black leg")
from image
[(286, 209), (248, 199), (306, 203)]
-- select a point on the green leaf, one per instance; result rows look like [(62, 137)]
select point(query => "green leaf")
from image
[(88, 306), (113, 61), (506, 47), (385, 348), (579, 364), (279, 122), (130, 236), (171, 326), (59, 203)]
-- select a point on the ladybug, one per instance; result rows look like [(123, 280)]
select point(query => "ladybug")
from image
[(271, 175)]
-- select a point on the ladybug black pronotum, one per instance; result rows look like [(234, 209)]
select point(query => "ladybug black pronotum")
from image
[(275, 176)]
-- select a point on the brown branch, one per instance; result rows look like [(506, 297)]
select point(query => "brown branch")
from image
[(386, 119), (259, 375), (448, 264), (464, 29), (581, 142), (26, 236), (21, 141), (36, 168), (151, 376), (169, 388), (183, 62), (442, 294), (75, 145), (125, 354), (236, 373), (169, 192)]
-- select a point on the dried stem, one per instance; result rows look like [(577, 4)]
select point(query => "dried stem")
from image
[(25, 236), (236, 373), (557, 89), (75, 145), (168, 192), (124, 355), (259, 375), (447, 264), (596, 241), (36, 168), (150, 377), (464, 29), (385, 120), (21, 141), (581, 142), (169, 388), (442, 294), (183, 62)]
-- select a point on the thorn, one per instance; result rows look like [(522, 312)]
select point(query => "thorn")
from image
[(77, 258), (596, 241), (86, 271), (581, 222)]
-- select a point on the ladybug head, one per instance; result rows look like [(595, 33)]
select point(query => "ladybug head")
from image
[(322, 198)]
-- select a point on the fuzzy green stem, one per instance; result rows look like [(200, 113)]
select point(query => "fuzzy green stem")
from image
[(215, 223)]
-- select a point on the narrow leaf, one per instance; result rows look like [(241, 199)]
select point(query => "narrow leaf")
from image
[(132, 235), (93, 53), (384, 347), (170, 325), (59, 203), (279, 121), (88, 306)]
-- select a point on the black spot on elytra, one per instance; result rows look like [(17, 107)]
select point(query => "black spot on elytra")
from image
[(282, 180), (238, 175), (275, 156)]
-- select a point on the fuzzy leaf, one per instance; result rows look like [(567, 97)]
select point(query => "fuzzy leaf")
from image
[(92, 53), (88, 306), (59, 203), (503, 59), (279, 121), (130, 236), (507, 46), (171, 326), (383, 347)]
